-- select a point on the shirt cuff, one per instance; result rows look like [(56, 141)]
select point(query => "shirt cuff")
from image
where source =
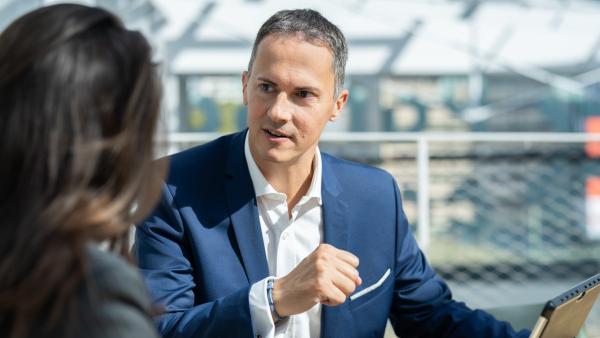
[(260, 312)]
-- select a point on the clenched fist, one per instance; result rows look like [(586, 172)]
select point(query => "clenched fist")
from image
[(328, 276)]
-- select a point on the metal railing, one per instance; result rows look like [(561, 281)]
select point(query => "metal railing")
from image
[(423, 142)]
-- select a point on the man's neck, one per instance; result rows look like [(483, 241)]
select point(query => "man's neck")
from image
[(291, 179)]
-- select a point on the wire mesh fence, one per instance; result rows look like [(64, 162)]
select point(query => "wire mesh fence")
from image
[(508, 220)]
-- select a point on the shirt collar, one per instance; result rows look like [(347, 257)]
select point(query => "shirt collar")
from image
[(263, 188)]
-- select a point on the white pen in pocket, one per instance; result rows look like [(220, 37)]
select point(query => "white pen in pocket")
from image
[(372, 287)]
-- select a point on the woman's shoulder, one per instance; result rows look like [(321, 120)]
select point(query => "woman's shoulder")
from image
[(111, 275), (121, 306)]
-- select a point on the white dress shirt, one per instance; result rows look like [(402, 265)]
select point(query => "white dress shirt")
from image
[(287, 242)]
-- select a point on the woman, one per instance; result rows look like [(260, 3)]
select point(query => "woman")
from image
[(79, 102)]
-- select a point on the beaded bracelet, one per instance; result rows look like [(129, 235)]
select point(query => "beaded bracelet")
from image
[(270, 282)]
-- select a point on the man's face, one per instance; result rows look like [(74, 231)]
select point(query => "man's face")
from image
[(290, 98)]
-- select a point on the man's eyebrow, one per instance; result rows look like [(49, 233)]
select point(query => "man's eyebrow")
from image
[(301, 88), (264, 79), (309, 89)]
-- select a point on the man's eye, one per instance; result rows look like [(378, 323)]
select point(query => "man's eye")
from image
[(304, 94), (265, 87)]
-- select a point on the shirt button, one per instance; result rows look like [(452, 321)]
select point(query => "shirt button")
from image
[(284, 236)]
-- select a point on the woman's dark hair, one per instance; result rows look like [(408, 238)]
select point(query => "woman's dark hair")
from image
[(79, 104)]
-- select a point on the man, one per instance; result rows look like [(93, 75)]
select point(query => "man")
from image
[(260, 234)]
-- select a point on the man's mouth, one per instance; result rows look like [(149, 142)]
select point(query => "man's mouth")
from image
[(275, 133)]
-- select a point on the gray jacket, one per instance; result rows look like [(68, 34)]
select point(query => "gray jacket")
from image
[(123, 309), (113, 304)]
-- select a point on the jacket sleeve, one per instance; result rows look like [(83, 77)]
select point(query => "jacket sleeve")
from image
[(163, 256), (423, 306)]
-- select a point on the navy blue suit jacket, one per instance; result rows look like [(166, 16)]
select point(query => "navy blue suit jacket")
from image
[(202, 249)]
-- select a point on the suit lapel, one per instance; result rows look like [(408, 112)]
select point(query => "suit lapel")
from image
[(241, 202), (335, 228), (334, 210)]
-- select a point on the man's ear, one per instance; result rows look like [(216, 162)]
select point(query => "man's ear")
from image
[(340, 102), (245, 78)]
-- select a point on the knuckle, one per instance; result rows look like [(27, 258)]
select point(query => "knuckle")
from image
[(320, 255), (323, 258), (320, 285), (325, 247), (348, 289), (321, 262), (339, 299)]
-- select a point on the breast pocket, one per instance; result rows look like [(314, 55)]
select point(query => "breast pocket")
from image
[(370, 292)]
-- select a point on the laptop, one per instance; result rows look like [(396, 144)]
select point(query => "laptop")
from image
[(563, 316)]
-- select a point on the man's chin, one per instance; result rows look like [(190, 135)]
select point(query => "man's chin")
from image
[(278, 156)]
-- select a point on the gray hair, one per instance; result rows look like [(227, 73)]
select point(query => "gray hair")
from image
[(312, 26)]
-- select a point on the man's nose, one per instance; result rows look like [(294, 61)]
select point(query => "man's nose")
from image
[(281, 110)]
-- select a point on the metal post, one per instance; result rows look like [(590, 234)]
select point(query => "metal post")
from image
[(423, 192)]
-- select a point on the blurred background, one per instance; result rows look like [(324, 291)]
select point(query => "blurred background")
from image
[(487, 112)]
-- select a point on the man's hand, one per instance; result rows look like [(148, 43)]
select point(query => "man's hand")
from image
[(328, 275)]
